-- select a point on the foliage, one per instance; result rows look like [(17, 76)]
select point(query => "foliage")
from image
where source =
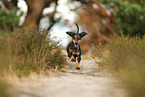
[(8, 18), (131, 18), (142, 2), (23, 52), (111, 3), (129, 15), (126, 60)]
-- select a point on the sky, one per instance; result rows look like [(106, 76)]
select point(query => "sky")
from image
[(60, 33)]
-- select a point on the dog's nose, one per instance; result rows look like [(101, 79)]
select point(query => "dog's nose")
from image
[(76, 43)]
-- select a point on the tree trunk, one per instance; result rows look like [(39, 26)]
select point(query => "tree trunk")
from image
[(10, 4), (34, 14)]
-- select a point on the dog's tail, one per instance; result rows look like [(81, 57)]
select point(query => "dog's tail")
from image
[(77, 28)]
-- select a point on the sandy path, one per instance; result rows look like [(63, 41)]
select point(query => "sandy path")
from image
[(87, 82)]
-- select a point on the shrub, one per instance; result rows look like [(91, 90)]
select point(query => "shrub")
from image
[(124, 51), (126, 59), (23, 52)]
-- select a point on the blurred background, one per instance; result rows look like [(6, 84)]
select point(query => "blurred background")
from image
[(100, 18), (30, 29)]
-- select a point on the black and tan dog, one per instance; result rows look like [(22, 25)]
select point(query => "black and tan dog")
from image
[(73, 48)]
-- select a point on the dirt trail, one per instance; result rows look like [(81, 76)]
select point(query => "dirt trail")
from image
[(87, 82)]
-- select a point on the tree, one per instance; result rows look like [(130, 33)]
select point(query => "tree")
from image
[(131, 18), (35, 8), (101, 18), (34, 14), (98, 21)]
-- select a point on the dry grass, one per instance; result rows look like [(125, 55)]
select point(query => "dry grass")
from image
[(23, 52), (126, 59)]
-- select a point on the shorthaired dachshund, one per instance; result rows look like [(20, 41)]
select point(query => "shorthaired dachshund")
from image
[(73, 48)]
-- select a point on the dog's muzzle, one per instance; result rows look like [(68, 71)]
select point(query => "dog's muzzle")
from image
[(76, 44)]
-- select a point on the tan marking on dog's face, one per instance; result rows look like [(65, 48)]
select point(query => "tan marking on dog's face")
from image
[(74, 40), (79, 41)]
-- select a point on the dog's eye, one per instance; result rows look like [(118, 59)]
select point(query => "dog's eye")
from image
[(79, 38)]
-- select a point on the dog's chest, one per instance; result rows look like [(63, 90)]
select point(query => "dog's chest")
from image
[(75, 51)]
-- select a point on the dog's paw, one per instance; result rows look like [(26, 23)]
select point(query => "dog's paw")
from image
[(78, 68), (73, 59)]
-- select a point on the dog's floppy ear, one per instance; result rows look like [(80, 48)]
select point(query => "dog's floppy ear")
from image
[(70, 33), (83, 34)]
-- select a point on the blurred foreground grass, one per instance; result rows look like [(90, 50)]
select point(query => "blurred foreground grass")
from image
[(125, 57), (3, 90)]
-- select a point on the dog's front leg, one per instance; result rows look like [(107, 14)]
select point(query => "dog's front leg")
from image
[(78, 63), (69, 55), (69, 52)]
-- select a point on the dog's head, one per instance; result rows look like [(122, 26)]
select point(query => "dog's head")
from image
[(76, 36)]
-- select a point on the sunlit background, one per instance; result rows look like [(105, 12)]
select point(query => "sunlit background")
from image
[(58, 31)]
